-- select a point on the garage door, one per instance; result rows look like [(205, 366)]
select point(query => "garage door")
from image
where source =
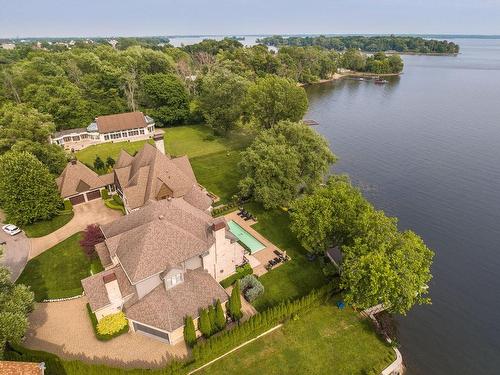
[(77, 199), (93, 195), (159, 335)]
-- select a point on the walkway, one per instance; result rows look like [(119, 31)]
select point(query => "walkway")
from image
[(50, 324), (93, 212)]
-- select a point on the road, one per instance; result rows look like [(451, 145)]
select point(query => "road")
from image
[(15, 252)]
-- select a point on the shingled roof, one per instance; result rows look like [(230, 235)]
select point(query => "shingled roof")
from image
[(121, 121), (159, 236), (151, 175), (166, 308), (77, 178)]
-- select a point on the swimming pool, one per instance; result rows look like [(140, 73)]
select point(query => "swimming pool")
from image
[(248, 240)]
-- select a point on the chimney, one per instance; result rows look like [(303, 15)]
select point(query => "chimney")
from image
[(158, 138), (218, 225), (161, 217), (112, 288)]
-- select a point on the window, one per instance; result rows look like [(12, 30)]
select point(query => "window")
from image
[(133, 133), (141, 131), (106, 137), (124, 134), (174, 280)]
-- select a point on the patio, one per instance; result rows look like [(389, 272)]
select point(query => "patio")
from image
[(259, 259)]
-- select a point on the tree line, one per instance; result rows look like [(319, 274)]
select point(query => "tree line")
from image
[(366, 43)]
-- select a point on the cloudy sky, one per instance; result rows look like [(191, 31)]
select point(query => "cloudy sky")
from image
[(194, 17)]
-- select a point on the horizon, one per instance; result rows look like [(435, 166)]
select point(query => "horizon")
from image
[(56, 19)]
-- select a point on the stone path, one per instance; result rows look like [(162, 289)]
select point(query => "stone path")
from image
[(64, 328), (93, 212)]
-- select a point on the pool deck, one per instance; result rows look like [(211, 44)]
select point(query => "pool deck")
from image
[(262, 256)]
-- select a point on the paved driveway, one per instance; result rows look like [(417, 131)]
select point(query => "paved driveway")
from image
[(50, 324), (93, 212), (15, 252)]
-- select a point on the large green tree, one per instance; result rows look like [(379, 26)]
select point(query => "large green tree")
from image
[(272, 99), (28, 191), (53, 156), (16, 301), (20, 122), (221, 98), (395, 273), (166, 98), (282, 161)]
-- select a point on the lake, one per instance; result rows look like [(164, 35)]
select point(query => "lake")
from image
[(426, 148)]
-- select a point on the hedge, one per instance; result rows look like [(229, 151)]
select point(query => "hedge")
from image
[(218, 211), (103, 337), (215, 346), (112, 324), (241, 272), (68, 206), (104, 194)]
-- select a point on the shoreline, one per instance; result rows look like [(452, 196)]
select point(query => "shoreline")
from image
[(338, 76)]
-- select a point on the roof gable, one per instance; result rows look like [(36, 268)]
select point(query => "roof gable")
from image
[(77, 178), (82, 186)]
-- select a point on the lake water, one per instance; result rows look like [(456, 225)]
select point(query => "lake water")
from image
[(426, 148)]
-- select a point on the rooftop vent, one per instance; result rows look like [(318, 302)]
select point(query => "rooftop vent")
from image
[(161, 217)]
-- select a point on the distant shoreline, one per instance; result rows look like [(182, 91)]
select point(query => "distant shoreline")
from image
[(337, 76)]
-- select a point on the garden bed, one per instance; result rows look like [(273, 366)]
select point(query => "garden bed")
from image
[(99, 336)]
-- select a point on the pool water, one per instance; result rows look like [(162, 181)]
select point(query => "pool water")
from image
[(248, 240)]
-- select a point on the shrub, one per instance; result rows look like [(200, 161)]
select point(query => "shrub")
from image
[(220, 318), (241, 272), (189, 331), (99, 336), (104, 194), (111, 324), (211, 317), (252, 287), (117, 199), (205, 326), (68, 206), (235, 303)]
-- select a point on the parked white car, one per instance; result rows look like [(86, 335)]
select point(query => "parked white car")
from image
[(11, 229)]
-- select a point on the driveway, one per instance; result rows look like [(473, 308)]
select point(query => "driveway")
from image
[(93, 212), (15, 252), (51, 322)]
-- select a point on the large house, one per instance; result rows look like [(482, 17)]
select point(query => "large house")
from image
[(152, 175), (131, 126), (149, 175), (162, 263)]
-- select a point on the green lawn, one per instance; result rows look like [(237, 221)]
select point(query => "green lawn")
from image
[(57, 272), (42, 228), (325, 340), (198, 140), (294, 278), (88, 155)]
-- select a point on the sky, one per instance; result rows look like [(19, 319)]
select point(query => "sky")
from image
[(61, 18)]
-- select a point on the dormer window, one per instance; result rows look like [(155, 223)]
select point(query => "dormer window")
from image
[(174, 280)]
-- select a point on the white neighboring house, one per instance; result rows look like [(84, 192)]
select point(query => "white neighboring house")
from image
[(130, 126)]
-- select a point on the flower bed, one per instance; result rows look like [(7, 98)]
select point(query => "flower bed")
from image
[(104, 336)]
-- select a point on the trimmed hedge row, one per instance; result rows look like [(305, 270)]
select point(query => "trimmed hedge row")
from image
[(259, 323), (218, 211), (241, 272), (100, 336)]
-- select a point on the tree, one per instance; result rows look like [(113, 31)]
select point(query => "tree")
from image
[(395, 273), (212, 318), (220, 318), (235, 302), (110, 162), (53, 156), (166, 97), (28, 191), (20, 122), (92, 235), (354, 60), (329, 216), (272, 99), (282, 161), (98, 163), (189, 331), (204, 324), (221, 99), (17, 302)]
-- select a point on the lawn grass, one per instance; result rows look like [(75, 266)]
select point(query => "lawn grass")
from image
[(324, 340), (103, 150), (219, 173), (199, 140), (294, 278), (56, 273), (42, 228)]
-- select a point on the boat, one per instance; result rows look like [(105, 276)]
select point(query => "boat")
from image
[(381, 81)]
